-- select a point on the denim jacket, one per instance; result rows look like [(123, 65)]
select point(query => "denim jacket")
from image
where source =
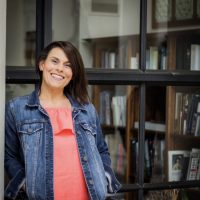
[(29, 150)]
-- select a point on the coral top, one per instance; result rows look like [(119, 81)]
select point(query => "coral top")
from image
[(69, 182)]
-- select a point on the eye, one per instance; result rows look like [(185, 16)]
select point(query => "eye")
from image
[(54, 61), (67, 65)]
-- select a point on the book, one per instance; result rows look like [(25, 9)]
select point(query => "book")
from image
[(163, 57), (153, 53), (108, 59), (134, 145), (195, 57), (192, 114), (134, 63), (157, 164), (112, 60), (185, 109), (193, 164), (183, 53), (197, 127), (147, 159), (105, 107), (177, 164), (178, 112), (119, 110)]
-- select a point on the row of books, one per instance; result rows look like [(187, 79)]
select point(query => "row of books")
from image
[(156, 58), (111, 59), (184, 165), (153, 158), (112, 109), (187, 114)]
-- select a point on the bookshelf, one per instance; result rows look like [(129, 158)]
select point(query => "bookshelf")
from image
[(164, 51), (102, 32)]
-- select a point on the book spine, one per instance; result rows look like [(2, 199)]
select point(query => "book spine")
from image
[(195, 57)]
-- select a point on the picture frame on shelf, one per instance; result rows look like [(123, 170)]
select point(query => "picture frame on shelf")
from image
[(104, 7), (174, 13), (178, 161)]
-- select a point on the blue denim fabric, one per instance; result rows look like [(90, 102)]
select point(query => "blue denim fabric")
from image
[(29, 150)]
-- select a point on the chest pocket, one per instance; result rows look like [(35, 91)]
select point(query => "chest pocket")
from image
[(90, 132), (30, 128), (30, 134)]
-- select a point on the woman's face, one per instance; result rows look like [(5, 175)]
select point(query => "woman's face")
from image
[(56, 70)]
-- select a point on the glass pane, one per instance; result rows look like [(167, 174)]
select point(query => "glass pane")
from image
[(183, 133), (173, 41), (15, 90), (155, 131), (20, 33), (115, 108), (106, 32)]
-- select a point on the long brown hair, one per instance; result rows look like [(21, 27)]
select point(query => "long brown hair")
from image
[(77, 87)]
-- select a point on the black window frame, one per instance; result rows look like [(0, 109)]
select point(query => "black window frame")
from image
[(141, 77)]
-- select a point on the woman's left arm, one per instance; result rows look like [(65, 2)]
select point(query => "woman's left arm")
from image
[(113, 183)]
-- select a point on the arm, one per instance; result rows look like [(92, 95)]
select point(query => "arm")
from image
[(113, 184), (13, 156)]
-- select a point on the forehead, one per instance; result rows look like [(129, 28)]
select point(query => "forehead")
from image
[(58, 53)]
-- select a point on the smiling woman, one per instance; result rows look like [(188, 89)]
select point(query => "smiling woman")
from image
[(53, 136), (57, 74)]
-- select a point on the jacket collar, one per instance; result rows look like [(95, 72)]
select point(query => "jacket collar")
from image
[(34, 101)]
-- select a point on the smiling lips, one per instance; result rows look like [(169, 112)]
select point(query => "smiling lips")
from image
[(57, 77)]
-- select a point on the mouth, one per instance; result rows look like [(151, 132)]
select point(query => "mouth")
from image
[(57, 76)]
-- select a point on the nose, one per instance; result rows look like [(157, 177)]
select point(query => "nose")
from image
[(60, 67)]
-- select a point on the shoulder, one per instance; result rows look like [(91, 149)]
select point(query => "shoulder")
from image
[(90, 108), (17, 102)]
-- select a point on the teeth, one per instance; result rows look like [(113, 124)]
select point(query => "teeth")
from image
[(58, 77)]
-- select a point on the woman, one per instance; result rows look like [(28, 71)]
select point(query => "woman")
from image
[(54, 146)]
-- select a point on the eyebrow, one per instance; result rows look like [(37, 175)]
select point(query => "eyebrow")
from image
[(59, 59)]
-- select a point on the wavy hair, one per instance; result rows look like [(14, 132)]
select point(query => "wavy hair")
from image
[(77, 87)]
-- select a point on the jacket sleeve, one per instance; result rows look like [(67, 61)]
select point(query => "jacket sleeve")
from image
[(113, 184), (13, 156)]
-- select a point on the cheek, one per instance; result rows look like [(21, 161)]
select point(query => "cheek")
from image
[(70, 73), (47, 66)]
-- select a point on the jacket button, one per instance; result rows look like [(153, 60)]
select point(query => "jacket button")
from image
[(30, 130), (91, 182), (84, 158)]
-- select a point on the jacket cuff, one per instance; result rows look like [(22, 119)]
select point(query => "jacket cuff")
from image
[(113, 183), (15, 185)]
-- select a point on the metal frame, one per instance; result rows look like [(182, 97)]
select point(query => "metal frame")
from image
[(113, 77), (22, 75)]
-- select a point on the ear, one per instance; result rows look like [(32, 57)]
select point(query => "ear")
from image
[(41, 65)]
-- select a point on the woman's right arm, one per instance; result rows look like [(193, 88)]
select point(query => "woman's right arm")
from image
[(14, 163)]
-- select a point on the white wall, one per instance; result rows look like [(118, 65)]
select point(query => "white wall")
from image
[(2, 85), (125, 22), (93, 25)]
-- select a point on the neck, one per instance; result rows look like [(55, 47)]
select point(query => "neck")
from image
[(53, 98)]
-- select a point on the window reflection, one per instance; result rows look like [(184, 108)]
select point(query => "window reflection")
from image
[(100, 29), (15, 90), (20, 38)]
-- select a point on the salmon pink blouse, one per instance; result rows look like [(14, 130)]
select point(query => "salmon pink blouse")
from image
[(69, 182)]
